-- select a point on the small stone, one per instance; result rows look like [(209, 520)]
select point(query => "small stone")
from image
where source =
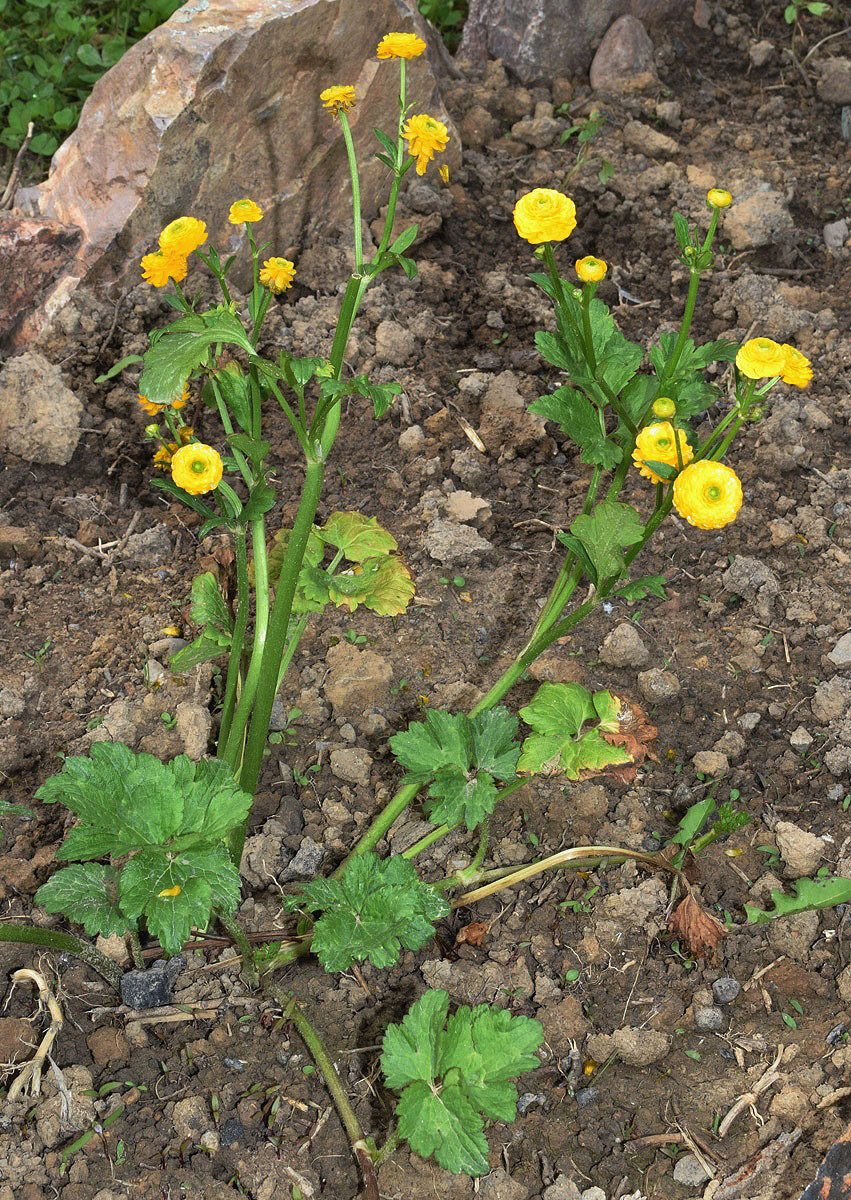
[(465, 507), (790, 1104), (530, 1100), (108, 1045), (658, 686), (835, 234), (210, 1141), (305, 863), (800, 738), (748, 576), (538, 131), (478, 128), (640, 1047), (731, 744), (646, 140), (623, 647), (726, 989), (626, 51), (749, 721), (710, 762), (17, 1039), (761, 53), (843, 984), (760, 219), (840, 655), (231, 1131), (394, 343), (708, 1019), (352, 765), (151, 988), (801, 851), (451, 543), (411, 439), (794, 935), (563, 1189), (155, 673), (193, 722), (594, 1193), (670, 113), (39, 415), (586, 1096), (11, 703), (689, 1171), (358, 680), (498, 1185), (191, 1117), (834, 87)]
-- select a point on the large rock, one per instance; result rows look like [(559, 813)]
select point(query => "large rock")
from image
[(625, 53), (220, 102), (540, 39), (39, 415), (34, 253)]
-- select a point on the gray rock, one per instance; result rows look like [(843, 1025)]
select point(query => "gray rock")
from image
[(498, 1185), (151, 547), (747, 576), (192, 1117), (449, 542), (538, 131), (39, 415), (193, 722), (530, 1100), (411, 439), (761, 53), (801, 851), (394, 343), (838, 760), (646, 140), (835, 234), (731, 744), (11, 703), (760, 219), (726, 989), (352, 765), (586, 1096), (151, 988), (749, 721), (840, 655), (794, 935), (306, 862), (708, 1018), (625, 52), (623, 647), (563, 1189), (834, 87), (689, 1171), (832, 699), (710, 762), (800, 738), (594, 1193)]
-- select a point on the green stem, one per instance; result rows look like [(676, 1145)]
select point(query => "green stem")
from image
[(227, 425), (292, 1012), (398, 171), (238, 637), (205, 259), (136, 950), (353, 172), (232, 751), (52, 939), (292, 646), (392, 1144), (434, 835), (234, 930)]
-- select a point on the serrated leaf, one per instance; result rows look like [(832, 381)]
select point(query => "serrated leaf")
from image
[(85, 893), (605, 533), (235, 390), (392, 588), (646, 585), (489, 1046), (411, 1049), (557, 714), (579, 419), (202, 649), (554, 350), (359, 537), (445, 1125), (185, 346), (371, 911), (810, 894), (207, 605), (216, 804)]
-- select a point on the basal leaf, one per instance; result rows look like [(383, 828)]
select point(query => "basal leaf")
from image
[(359, 537), (605, 533), (392, 588), (445, 1125), (313, 555), (202, 649), (494, 746), (560, 744), (809, 894), (442, 740), (459, 798), (87, 894), (411, 1049), (213, 801), (559, 709), (171, 919), (646, 585), (489, 1047)]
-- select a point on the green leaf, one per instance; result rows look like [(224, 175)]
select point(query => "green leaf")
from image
[(557, 714), (810, 894), (85, 893), (692, 822), (235, 390), (198, 506), (605, 533), (253, 450), (313, 554), (392, 588), (371, 911), (183, 347), (387, 142), (553, 348), (359, 537), (579, 419), (260, 501), (452, 1073), (217, 804), (381, 584), (207, 606), (682, 231), (404, 240), (118, 367), (638, 589), (204, 648)]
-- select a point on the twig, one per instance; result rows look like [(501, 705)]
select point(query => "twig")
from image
[(29, 1077), (749, 1099), (6, 198)]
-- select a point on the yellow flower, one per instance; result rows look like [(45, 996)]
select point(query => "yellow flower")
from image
[(277, 274), (591, 269), (797, 369), (400, 45), (186, 435), (183, 236), (338, 99), (718, 198), (443, 172), (761, 358), (156, 409), (243, 212), (426, 136), (708, 494), (159, 267), (664, 407), (543, 215), (655, 443), (196, 468), (162, 458)]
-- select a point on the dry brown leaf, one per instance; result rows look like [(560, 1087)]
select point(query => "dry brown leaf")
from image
[(473, 934), (700, 931), (634, 732)]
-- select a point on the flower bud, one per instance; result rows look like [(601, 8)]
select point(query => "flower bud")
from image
[(718, 198), (152, 431), (664, 407)]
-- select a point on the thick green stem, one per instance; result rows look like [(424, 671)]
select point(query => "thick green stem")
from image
[(292, 1012), (238, 637), (397, 170), (235, 932), (353, 172), (232, 752), (52, 939)]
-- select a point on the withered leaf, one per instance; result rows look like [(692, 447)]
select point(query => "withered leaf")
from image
[(473, 934), (700, 931), (634, 733)]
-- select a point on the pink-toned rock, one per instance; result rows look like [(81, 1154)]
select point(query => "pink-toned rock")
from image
[(540, 38), (34, 252), (221, 102), (624, 53)]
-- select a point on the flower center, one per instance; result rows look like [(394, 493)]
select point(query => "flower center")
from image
[(199, 466), (663, 443), (712, 492)]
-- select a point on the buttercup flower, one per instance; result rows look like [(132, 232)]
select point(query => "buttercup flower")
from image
[(426, 136), (277, 274), (718, 198), (655, 443), (591, 269), (761, 358), (245, 211), (400, 45), (664, 407), (162, 458), (338, 99), (196, 468), (155, 409), (159, 267), (443, 172), (183, 236), (797, 369), (544, 215), (708, 494)]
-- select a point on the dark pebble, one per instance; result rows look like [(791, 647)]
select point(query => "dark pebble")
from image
[(151, 988), (586, 1096), (726, 989), (234, 1064), (835, 1035), (231, 1131)]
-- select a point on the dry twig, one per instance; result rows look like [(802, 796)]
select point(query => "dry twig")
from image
[(29, 1076)]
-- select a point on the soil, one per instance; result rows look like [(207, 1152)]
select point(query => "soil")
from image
[(219, 1100)]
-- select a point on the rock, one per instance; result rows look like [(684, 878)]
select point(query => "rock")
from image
[(191, 1118), (531, 35), (449, 542), (834, 86), (593, 1193), (411, 439), (394, 344), (760, 219), (726, 989), (19, 541), (18, 1039), (352, 766), (563, 1023), (151, 988), (800, 738), (689, 1171), (478, 127), (39, 415), (477, 983), (708, 1018), (840, 655), (801, 851), (761, 53), (843, 984), (753, 581), (193, 112), (794, 935), (710, 762), (832, 699), (731, 744), (193, 723), (504, 420), (464, 506), (625, 52), (540, 130), (670, 113), (790, 1104), (639, 907), (645, 140), (12, 704), (34, 252), (306, 862), (108, 1045), (498, 1185), (835, 234), (623, 647), (749, 721), (563, 1189), (358, 680), (150, 547), (640, 1047)]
